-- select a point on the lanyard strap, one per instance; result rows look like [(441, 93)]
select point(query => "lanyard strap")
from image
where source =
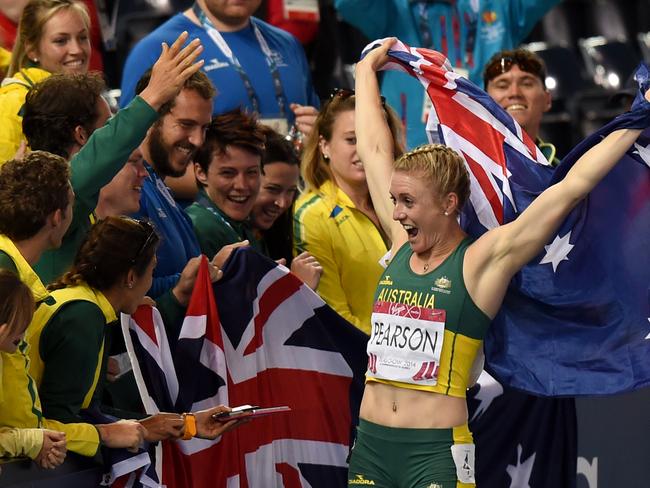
[(221, 43), (206, 203)]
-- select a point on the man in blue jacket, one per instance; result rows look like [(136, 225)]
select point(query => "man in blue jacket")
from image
[(468, 32), (168, 149)]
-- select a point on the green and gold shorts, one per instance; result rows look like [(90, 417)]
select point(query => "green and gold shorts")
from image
[(389, 457)]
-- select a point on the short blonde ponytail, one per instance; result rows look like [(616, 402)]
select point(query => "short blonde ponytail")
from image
[(443, 166)]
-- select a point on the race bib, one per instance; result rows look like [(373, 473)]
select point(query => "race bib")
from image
[(463, 455), (406, 343)]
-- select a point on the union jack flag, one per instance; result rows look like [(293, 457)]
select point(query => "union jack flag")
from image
[(576, 319), (124, 469), (262, 338)]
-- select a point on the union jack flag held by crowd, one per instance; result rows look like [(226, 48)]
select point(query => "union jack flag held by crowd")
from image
[(576, 319), (263, 338)]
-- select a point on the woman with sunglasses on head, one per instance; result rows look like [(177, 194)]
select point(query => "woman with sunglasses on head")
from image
[(334, 218), (70, 332), (440, 285), (53, 37), (272, 216)]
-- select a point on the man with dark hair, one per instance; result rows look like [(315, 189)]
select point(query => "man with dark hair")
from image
[(228, 168), (67, 114), (40, 182), (62, 112), (517, 81), (168, 149)]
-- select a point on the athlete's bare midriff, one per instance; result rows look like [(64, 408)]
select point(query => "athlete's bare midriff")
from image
[(393, 406)]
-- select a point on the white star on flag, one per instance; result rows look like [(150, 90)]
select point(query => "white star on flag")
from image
[(520, 474), (557, 251), (648, 336), (489, 390), (643, 152)]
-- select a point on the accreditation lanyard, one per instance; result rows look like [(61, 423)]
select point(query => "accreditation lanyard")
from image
[(206, 203), (221, 43)]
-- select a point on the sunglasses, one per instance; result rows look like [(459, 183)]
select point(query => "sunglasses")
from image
[(504, 64), (151, 236)]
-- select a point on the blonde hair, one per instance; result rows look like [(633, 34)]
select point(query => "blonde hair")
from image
[(32, 23), (443, 166), (315, 169)]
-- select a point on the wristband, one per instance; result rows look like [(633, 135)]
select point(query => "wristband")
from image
[(190, 426)]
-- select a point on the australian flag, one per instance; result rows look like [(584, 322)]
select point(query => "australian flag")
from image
[(262, 338), (576, 319), (522, 441)]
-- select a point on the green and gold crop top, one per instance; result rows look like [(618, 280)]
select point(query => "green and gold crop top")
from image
[(426, 330)]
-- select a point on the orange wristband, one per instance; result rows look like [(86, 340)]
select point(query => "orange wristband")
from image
[(190, 426)]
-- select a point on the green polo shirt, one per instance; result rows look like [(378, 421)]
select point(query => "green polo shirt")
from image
[(93, 167), (214, 229)]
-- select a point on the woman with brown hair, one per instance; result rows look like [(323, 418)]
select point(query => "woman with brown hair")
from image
[(272, 215), (46, 447), (334, 218), (110, 275), (53, 37), (228, 168)]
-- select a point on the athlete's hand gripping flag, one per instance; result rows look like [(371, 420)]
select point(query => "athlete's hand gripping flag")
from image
[(576, 320)]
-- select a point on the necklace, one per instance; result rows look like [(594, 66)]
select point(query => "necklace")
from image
[(427, 264)]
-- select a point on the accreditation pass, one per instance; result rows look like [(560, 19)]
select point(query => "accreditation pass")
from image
[(405, 343)]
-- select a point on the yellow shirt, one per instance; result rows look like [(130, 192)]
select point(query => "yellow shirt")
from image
[(25, 272), (12, 98), (348, 246), (42, 317), (5, 59), (20, 442), (22, 408)]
